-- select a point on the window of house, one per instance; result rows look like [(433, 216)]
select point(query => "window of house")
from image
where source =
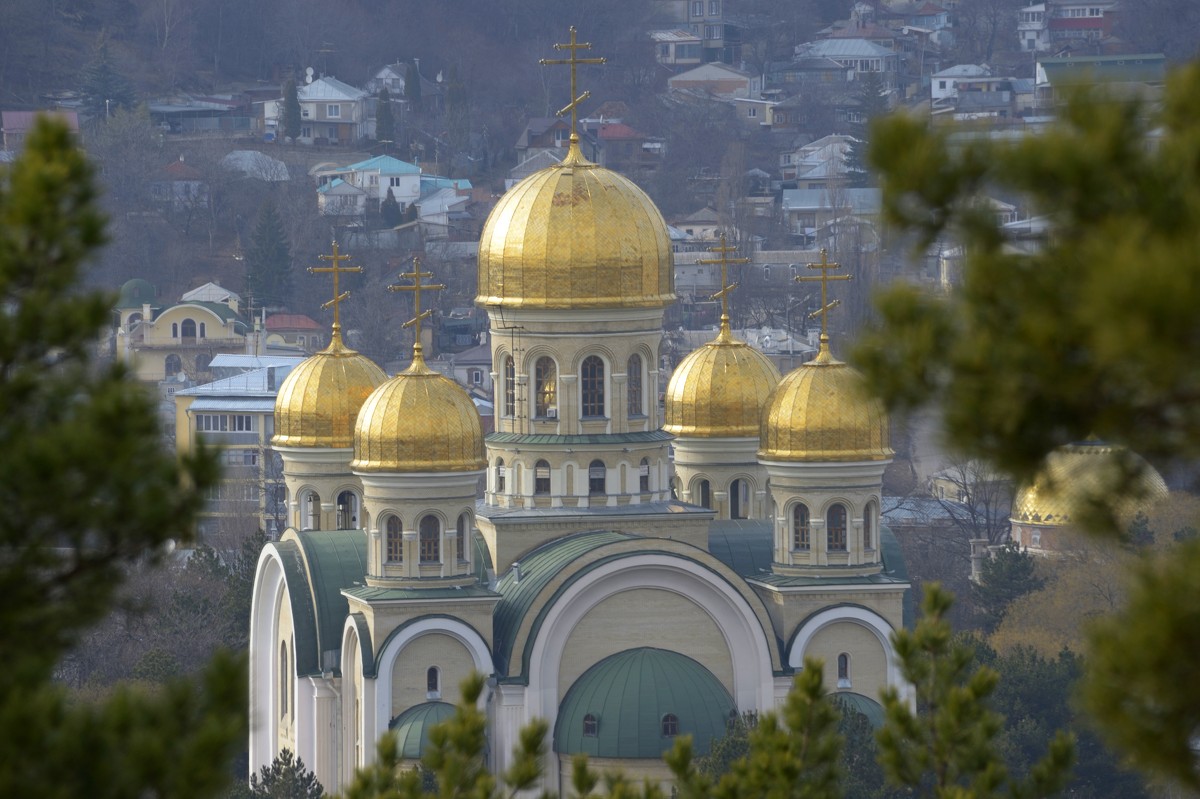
[(372, 180), (592, 380), (597, 477), (545, 387), (634, 385), (941, 84), (187, 329), (714, 7), (590, 726), (212, 423), (697, 8), (712, 32), (752, 112), (843, 680), (202, 330), (394, 182), (499, 475), (644, 476), (476, 376), (460, 535), (541, 478), (510, 391), (801, 531), (835, 524), (173, 365), (305, 131), (393, 538), (670, 725), (241, 422), (333, 110), (433, 683), (429, 533)]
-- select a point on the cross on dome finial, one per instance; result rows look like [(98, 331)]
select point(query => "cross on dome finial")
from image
[(574, 61), (416, 275), (726, 287), (825, 267), (335, 270)]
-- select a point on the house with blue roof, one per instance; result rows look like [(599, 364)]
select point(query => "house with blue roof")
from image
[(374, 177)]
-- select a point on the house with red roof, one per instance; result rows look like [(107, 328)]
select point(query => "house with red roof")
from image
[(295, 330)]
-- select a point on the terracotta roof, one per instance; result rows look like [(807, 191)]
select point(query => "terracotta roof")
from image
[(291, 321)]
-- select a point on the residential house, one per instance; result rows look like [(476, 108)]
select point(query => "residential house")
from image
[(339, 198), (296, 331), (543, 134), (534, 163), (180, 186), (376, 176), (807, 73), (717, 79), (1135, 71), (816, 165), (192, 113), (676, 48), (394, 78), (1074, 21), (1033, 30), (806, 210), (14, 125), (944, 84), (256, 166), (443, 209), (623, 149), (331, 112), (857, 55), (720, 35)]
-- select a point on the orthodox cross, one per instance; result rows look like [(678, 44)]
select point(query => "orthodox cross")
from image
[(824, 278), (574, 61), (726, 287), (416, 275), (337, 269)]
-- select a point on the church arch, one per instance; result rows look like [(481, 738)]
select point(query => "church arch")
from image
[(840, 614)]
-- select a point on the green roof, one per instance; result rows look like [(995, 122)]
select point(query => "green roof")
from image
[(746, 546), (628, 694), (538, 568), (861, 704), (136, 293), (598, 438), (336, 560), (412, 727), (370, 593)]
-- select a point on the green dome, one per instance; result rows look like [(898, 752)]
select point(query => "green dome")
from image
[(412, 727), (627, 696), (861, 704), (136, 293)]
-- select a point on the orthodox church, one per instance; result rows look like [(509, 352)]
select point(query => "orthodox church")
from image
[(628, 572)]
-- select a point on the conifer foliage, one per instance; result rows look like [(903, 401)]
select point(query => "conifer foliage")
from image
[(269, 260)]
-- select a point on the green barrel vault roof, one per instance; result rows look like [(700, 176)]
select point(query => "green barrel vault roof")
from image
[(412, 727), (629, 693), (336, 559)]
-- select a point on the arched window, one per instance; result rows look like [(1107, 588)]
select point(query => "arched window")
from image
[(644, 476), (509, 379), (541, 477), (704, 494), (393, 539), (843, 680), (739, 499), (174, 330), (202, 362), (801, 538), (670, 725), (173, 365), (460, 536), (283, 679), (433, 683), (869, 526), (310, 507), (633, 378), (187, 329), (591, 376), (835, 527), (500, 475), (545, 388), (590, 726), (202, 330), (347, 511), (429, 533), (597, 478)]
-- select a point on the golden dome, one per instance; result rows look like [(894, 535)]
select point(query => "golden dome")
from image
[(419, 421), (720, 389), (575, 235), (319, 400), (1077, 474), (821, 412)]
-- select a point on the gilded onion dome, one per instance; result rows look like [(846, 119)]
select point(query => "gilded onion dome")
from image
[(419, 421), (821, 412), (1077, 474), (720, 389), (575, 235), (317, 404)]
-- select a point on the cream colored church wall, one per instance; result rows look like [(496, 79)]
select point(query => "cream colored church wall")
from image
[(287, 721), (383, 619), (645, 617), (789, 611), (450, 657), (654, 771), (868, 662)]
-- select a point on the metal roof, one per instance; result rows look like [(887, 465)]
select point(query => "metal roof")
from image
[(335, 560), (861, 704), (628, 695), (599, 438), (412, 727), (744, 545)]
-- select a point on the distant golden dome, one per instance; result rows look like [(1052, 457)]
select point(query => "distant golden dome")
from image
[(1076, 474), (419, 421), (319, 400), (720, 390), (821, 412), (575, 235)]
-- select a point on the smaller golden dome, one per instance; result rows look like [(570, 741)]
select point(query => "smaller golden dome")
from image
[(822, 412), (720, 389), (419, 421), (1076, 475), (319, 400)]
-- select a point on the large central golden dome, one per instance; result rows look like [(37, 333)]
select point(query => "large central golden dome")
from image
[(575, 235), (720, 390), (821, 412), (419, 421), (318, 402)]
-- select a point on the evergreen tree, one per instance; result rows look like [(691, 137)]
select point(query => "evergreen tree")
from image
[(269, 260), (88, 491), (872, 104), (291, 110), (385, 123), (104, 89), (1006, 576), (1082, 340), (412, 88), (458, 115), (389, 209), (285, 778)]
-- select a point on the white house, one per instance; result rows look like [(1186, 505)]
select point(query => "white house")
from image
[(331, 112), (944, 84), (376, 175)]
